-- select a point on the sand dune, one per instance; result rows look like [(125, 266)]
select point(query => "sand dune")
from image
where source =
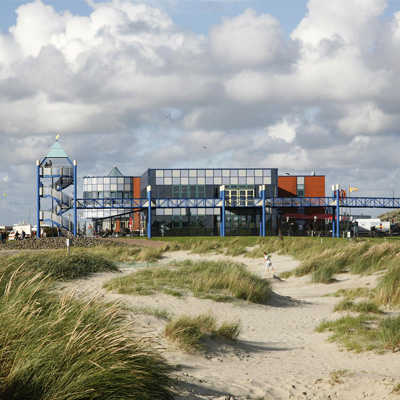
[(278, 354)]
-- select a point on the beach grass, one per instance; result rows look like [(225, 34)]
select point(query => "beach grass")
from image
[(189, 332), (355, 333), (59, 265), (204, 279), (388, 288), (389, 333), (54, 346), (366, 307), (126, 253)]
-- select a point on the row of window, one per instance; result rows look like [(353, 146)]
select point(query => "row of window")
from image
[(210, 173), (113, 187), (108, 180), (107, 195), (266, 180)]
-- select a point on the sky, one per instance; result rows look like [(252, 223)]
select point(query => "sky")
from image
[(302, 86)]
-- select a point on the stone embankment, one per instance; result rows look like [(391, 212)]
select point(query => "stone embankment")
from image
[(56, 243)]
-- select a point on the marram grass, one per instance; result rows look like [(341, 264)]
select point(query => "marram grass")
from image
[(215, 280), (189, 332), (60, 265), (55, 347)]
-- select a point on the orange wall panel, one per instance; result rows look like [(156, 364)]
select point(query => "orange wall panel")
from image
[(136, 195), (314, 186), (287, 186)]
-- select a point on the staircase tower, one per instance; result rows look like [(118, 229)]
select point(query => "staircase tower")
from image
[(56, 177)]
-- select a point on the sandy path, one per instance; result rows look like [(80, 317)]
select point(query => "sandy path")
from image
[(278, 354)]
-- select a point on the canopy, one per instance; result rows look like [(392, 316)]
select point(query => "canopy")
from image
[(295, 216), (320, 216)]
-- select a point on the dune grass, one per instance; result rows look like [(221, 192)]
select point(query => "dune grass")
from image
[(59, 265), (366, 307), (56, 347), (389, 333), (189, 332), (355, 333), (126, 253), (388, 288), (220, 281)]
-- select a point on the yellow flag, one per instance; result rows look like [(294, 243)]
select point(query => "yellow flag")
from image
[(351, 189), (57, 137)]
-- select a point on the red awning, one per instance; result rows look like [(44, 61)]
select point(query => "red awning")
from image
[(294, 216), (320, 216)]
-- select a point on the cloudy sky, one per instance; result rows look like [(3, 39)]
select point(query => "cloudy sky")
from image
[(297, 85)]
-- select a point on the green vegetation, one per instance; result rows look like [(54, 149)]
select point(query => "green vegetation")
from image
[(354, 333), (364, 307), (389, 333), (205, 279), (189, 332), (353, 293), (55, 347), (126, 253), (59, 265), (388, 289), (336, 376)]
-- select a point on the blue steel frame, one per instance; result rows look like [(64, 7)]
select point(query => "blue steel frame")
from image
[(335, 202), (76, 201)]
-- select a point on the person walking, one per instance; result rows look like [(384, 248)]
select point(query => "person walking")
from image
[(268, 261)]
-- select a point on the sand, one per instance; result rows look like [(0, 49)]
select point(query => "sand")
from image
[(278, 354)]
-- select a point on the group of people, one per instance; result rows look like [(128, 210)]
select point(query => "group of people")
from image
[(3, 237)]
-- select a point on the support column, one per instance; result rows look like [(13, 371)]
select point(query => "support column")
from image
[(262, 191), (75, 196), (149, 212), (333, 212), (38, 199), (222, 225), (337, 212)]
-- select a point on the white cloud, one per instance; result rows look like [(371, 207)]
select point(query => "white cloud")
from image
[(365, 119), (106, 82), (247, 40), (284, 130)]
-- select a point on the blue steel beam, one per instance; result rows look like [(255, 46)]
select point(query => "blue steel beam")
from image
[(276, 202)]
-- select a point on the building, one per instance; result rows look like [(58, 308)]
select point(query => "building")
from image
[(242, 186), (177, 202), (112, 186)]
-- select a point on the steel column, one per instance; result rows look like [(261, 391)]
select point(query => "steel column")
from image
[(262, 230), (222, 225), (149, 212), (38, 199), (337, 212), (75, 196)]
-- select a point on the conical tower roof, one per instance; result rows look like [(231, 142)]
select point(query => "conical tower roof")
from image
[(56, 151), (115, 172)]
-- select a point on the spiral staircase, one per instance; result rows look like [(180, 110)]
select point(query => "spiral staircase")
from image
[(54, 183)]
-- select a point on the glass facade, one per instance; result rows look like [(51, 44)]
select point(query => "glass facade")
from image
[(241, 187), (108, 187)]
